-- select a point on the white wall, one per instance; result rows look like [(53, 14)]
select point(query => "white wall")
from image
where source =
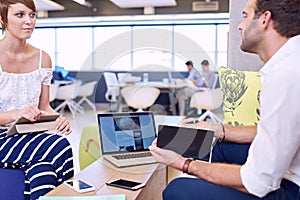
[(238, 59)]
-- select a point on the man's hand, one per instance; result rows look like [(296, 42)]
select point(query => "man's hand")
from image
[(166, 157), (194, 123)]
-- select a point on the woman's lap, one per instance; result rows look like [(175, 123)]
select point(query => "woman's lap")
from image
[(37, 153)]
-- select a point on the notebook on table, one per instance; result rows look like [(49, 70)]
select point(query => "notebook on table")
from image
[(125, 137)]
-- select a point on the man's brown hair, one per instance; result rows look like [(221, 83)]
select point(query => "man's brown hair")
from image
[(284, 13)]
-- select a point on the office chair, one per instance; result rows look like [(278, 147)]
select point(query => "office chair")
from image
[(68, 93), (112, 84), (140, 97), (89, 146), (85, 91), (12, 184), (53, 91), (209, 100)]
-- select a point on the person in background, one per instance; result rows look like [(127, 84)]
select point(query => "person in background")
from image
[(208, 76), (25, 75), (271, 29), (195, 82), (194, 75)]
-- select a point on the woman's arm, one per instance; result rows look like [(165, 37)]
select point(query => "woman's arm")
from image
[(63, 125), (8, 117), (44, 103), (30, 112)]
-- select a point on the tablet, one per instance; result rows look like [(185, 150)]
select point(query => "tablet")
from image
[(23, 125), (188, 142)]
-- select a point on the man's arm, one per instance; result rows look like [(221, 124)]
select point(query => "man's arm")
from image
[(218, 173), (237, 134), (222, 174)]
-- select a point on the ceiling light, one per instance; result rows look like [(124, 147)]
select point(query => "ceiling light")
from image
[(143, 3), (45, 5), (83, 2)]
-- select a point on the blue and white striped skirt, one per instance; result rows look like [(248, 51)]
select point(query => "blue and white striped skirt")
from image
[(45, 159)]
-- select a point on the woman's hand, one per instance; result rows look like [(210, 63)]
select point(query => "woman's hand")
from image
[(63, 126), (30, 112)]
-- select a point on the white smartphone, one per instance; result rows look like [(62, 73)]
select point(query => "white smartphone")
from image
[(79, 186), (126, 184)]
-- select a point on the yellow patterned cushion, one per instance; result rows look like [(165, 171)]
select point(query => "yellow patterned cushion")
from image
[(241, 96)]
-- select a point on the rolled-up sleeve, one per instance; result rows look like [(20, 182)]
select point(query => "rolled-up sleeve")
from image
[(259, 188)]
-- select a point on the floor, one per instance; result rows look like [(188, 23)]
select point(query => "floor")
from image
[(89, 117), (77, 124)]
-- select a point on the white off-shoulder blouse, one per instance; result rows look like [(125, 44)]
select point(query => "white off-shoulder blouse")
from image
[(18, 90)]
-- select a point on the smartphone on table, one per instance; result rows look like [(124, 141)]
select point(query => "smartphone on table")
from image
[(126, 184), (79, 186)]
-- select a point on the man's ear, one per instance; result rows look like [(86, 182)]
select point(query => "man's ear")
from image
[(265, 19)]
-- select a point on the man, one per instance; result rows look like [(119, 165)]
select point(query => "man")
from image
[(208, 76), (195, 80), (194, 75), (270, 29)]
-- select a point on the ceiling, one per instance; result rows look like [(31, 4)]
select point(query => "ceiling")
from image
[(50, 5), (143, 3), (47, 5), (91, 8)]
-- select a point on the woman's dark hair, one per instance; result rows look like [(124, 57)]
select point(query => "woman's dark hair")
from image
[(4, 5), (284, 13)]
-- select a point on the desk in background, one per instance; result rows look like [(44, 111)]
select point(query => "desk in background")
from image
[(165, 87)]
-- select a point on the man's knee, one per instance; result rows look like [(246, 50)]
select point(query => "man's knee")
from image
[(174, 190)]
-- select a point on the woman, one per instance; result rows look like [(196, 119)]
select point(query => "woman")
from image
[(25, 74)]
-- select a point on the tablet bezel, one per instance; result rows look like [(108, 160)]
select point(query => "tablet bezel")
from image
[(42, 118)]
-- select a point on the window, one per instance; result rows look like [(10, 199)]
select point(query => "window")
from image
[(137, 43), (112, 46), (74, 48), (45, 40)]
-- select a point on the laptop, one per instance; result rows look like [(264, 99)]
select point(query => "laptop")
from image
[(188, 142), (125, 137)]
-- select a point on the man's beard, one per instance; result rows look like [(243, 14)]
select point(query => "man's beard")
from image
[(250, 38)]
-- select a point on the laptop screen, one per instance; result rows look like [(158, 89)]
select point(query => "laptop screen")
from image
[(126, 132)]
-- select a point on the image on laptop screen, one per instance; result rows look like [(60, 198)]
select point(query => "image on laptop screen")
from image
[(126, 132)]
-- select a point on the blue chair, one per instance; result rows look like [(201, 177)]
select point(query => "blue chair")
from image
[(12, 184)]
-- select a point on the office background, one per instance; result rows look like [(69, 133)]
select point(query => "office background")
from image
[(103, 37)]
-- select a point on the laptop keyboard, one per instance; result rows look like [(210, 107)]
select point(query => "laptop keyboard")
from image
[(132, 155)]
